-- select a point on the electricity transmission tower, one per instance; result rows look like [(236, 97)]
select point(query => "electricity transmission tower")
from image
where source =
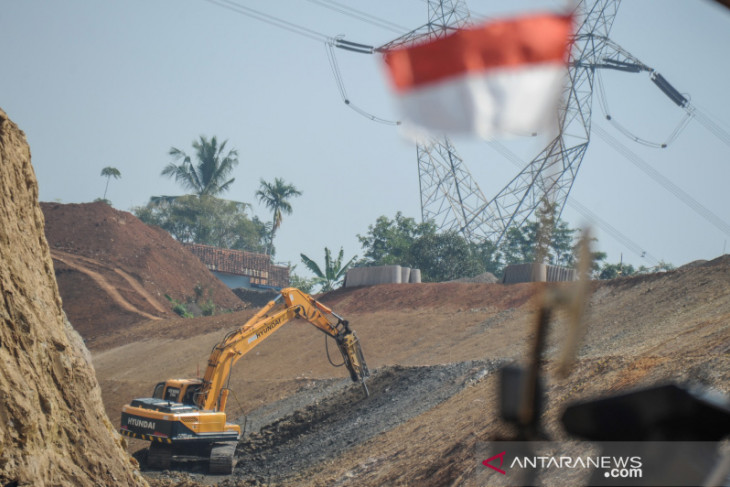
[(451, 197), (449, 194), (550, 175)]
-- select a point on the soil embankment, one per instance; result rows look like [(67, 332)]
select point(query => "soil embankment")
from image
[(53, 429)]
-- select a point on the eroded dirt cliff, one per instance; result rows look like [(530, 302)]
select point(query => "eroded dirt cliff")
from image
[(53, 429)]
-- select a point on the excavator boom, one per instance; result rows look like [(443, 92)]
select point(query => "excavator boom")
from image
[(290, 304)]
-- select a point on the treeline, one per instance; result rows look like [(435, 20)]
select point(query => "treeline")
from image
[(202, 216)]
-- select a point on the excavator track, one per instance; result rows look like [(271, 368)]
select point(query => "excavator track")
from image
[(159, 456), (222, 458)]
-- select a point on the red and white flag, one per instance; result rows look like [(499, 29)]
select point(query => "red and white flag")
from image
[(500, 78)]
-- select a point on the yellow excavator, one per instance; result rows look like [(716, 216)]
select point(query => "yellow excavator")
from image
[(185, 418)]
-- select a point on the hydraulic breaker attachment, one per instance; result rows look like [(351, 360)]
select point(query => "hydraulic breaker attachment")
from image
[(354, 361)]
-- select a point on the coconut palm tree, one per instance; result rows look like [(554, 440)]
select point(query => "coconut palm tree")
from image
[(334, 272), (276, 197), (207, 176), (109, 172)]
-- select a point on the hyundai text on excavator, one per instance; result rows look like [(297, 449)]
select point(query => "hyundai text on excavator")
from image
[(185, 418)]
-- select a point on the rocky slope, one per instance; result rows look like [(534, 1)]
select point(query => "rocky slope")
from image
[(53, 429)]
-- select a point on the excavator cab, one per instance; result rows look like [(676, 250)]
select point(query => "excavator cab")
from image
[(184, 391)]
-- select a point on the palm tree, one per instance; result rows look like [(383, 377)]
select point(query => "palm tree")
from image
[(334, 272), (207, 176), (109, 172), (275, 196)]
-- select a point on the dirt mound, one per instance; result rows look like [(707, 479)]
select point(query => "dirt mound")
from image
[(288, 446), (113, 270), (447, 296), (486, 277), (54, 430)]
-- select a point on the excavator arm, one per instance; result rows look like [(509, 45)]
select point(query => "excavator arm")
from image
[(290, 304)]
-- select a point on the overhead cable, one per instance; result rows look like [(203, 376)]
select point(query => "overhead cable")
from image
[(270, 19), (360, 15), (712, 126), (611, 230), (603, 103), (675, 190), (335, 67)]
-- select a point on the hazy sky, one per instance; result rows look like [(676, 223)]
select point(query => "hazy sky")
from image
[(102, 83)]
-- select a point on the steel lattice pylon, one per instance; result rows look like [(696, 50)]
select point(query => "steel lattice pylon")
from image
[(552, 172), (450, 196)]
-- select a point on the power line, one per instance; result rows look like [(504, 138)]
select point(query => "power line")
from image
[(270, 19), (603, 103), (334, 66), (329, 42), (360, 15), (473, 15), (675, 190), (713, 127), (611, 230), (305, 31)]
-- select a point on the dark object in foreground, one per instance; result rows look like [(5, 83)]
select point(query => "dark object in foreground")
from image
[(674, 431), (660, 413)]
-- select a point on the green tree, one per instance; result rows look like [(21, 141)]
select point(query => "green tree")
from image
[(302, 283), (598, 258), (333, 273), (612, 271), (206, 220), (108, 173), (518, 245), (546, 239), (562, 248), (663, 266), (207, 176), (275, 196), (439, 256), (491, 257), (445, 256), (389, 242)]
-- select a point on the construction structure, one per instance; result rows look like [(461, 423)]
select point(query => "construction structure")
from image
[(537, 272), (241, 269), (382, 274)]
